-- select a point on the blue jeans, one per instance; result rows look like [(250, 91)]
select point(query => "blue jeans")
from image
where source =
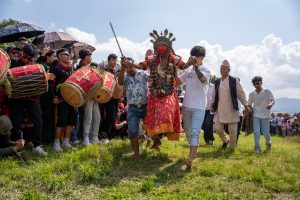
[(134, 116), (193, 119), (261, 125)]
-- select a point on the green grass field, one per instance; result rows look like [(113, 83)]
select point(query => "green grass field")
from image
[(108, 172)]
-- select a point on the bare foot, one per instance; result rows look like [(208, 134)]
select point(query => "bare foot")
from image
[(187, 166)]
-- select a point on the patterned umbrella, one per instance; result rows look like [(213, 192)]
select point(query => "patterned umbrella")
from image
[(77, 46), (12, 33), (55, 40)]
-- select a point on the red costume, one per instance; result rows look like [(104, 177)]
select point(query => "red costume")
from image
[(163, 114)]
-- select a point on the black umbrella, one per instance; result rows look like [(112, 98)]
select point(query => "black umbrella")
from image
[(12, 33)]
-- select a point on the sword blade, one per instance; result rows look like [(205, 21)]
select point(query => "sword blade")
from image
[(112, 28)]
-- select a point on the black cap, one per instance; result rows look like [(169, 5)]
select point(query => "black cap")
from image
[(30, 50), (61, 50), (10, 48), (83, 53)]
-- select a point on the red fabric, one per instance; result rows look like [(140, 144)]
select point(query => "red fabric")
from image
[(85, 78), (163, 116), (25, 70), (26, 61), (20, 54), (121, 106), (65, 67), (109, 81)]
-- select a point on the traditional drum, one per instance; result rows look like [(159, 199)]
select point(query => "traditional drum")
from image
[(118, 92), (106, 91), (81, 86), (4, 65), (29, 80)]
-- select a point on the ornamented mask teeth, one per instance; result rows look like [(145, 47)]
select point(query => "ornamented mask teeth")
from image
[(155, 32), (153, 35), (166, 32)]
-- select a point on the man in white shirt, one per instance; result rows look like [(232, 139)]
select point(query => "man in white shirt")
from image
[(262, 101), (196, 78)]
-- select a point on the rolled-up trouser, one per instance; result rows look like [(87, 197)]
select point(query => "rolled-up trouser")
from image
[(134, 116), (91, 118), (232, 129), (193, 119)]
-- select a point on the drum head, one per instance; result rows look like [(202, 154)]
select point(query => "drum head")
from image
[(102, 96), (72, 95), (4, 65)]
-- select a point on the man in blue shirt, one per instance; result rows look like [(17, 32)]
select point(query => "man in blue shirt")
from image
[(135, 84)]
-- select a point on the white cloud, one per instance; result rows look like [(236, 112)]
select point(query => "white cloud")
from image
[(278, 63), (82, 36)]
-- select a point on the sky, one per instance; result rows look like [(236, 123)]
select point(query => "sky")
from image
[(257, 37)]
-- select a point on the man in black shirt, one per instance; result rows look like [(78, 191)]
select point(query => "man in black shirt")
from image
[(66, 114), (31, 104), (109, 110)]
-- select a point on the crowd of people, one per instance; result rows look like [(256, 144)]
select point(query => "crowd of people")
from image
[(149, 108)]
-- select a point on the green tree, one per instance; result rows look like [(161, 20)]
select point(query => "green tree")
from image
[(4, 23)]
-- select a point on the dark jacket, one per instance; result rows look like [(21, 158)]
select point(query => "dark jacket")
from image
[(233, 93), (61, 75), (5, 146)]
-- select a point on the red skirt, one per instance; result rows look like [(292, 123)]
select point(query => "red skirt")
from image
[(163, 116)]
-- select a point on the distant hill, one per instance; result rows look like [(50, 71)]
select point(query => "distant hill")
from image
[(287, 105)]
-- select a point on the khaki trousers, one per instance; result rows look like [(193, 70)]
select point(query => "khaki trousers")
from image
[(232, 129)]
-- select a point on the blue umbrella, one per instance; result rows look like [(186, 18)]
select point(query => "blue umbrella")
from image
[(12, 33)]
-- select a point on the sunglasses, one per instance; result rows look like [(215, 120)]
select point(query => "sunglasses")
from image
[(256, 83), (15, 52)]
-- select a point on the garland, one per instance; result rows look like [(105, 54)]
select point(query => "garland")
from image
[(161, 86)]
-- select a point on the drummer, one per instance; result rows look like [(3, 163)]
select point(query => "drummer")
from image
[(66, 114), (111, 107), (91, 117), (29, 56), (13, 53), (30, 104)]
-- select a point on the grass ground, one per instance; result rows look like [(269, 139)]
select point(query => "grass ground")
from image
[(108, 172)]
